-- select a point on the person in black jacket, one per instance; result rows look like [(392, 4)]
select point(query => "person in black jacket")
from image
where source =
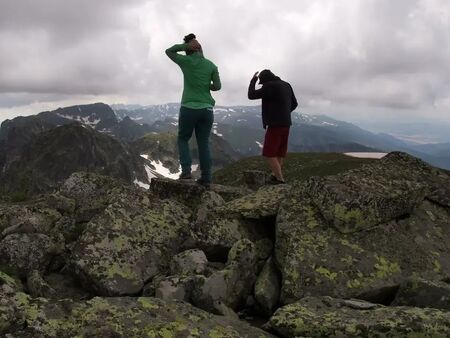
[(278, 101)]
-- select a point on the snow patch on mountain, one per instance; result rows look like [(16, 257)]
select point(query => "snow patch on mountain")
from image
[(141, 184), (214, 130), (367, 155), (87, 120), (159, 169), (162, 170)]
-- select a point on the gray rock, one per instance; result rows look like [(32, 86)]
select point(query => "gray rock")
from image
[(328, 317), (10, 281), (230, 286), (423, 293), (208, 202), (264, 249), (255, 179), (185, 192), (175, 288), (260, 204), (115, 317), (91, 193), (32, 218), (267, 287), (25, 253), (129, 243), (38, 287), (65, 287), (317, 258), (189, 192), (61, 203), (190, 262)]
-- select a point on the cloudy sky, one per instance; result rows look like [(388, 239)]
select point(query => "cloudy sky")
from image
[(356, 60)]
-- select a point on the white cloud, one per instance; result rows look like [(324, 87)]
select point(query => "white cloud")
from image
[(344, 56)]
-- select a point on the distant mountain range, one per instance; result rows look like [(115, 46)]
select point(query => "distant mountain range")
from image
[(241, 127), (136, 143)]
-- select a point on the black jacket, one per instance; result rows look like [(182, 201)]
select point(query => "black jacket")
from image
[(278, 101)]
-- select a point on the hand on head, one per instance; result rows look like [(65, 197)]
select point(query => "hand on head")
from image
[(255, 76)]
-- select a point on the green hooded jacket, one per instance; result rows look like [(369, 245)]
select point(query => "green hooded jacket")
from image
[(201, 76)]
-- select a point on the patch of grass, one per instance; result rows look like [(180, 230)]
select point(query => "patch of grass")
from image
[(298, 166)]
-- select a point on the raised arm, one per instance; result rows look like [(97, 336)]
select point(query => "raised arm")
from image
[(172, 52), (216, 84), (253, 93)]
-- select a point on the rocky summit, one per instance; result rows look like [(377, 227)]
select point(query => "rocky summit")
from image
[(363, 253)]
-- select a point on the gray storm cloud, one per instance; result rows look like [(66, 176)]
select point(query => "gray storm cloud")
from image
[(349, 54)]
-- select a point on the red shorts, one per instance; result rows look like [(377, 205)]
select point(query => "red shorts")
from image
[(276, 142)]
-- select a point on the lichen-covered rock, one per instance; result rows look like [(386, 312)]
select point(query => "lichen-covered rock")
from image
[(64, 286), (10, 281), (327, 317), (229, 193), (91, 193), (38, 287), (31, 218), (176, 288), (189, 192), (186, 192), (61, 203), (316, 259), (189, 262), (262, 203), (230, 286), (255, 179), (208, 202), (116, 317), (363, 198), (264, 249), (420, 292), (129, 243), (267, 287), (24, 253), (222, 230)]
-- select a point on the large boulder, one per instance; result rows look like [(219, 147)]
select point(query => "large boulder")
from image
[(321, 253), (267, 287), (217, 234), (328, 317), (260, 204), (366, 197), (189, 262), (249, 217), (27, 218), (25, 253), (420, 292), (230, 286), (130, 242), (189, 192), (23, 316), (90, 192)]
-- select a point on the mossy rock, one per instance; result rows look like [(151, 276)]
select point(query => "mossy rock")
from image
[(316, 259), (117, 317), (262, 203), (328, 317), (130, 242)]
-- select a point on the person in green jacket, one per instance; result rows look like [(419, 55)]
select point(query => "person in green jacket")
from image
[(201, 76)]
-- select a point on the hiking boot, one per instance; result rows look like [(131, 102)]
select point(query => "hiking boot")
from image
[(274, 181), (186, 176), (204, 183)]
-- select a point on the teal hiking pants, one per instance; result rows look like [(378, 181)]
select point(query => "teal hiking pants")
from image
[(200, 121)]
